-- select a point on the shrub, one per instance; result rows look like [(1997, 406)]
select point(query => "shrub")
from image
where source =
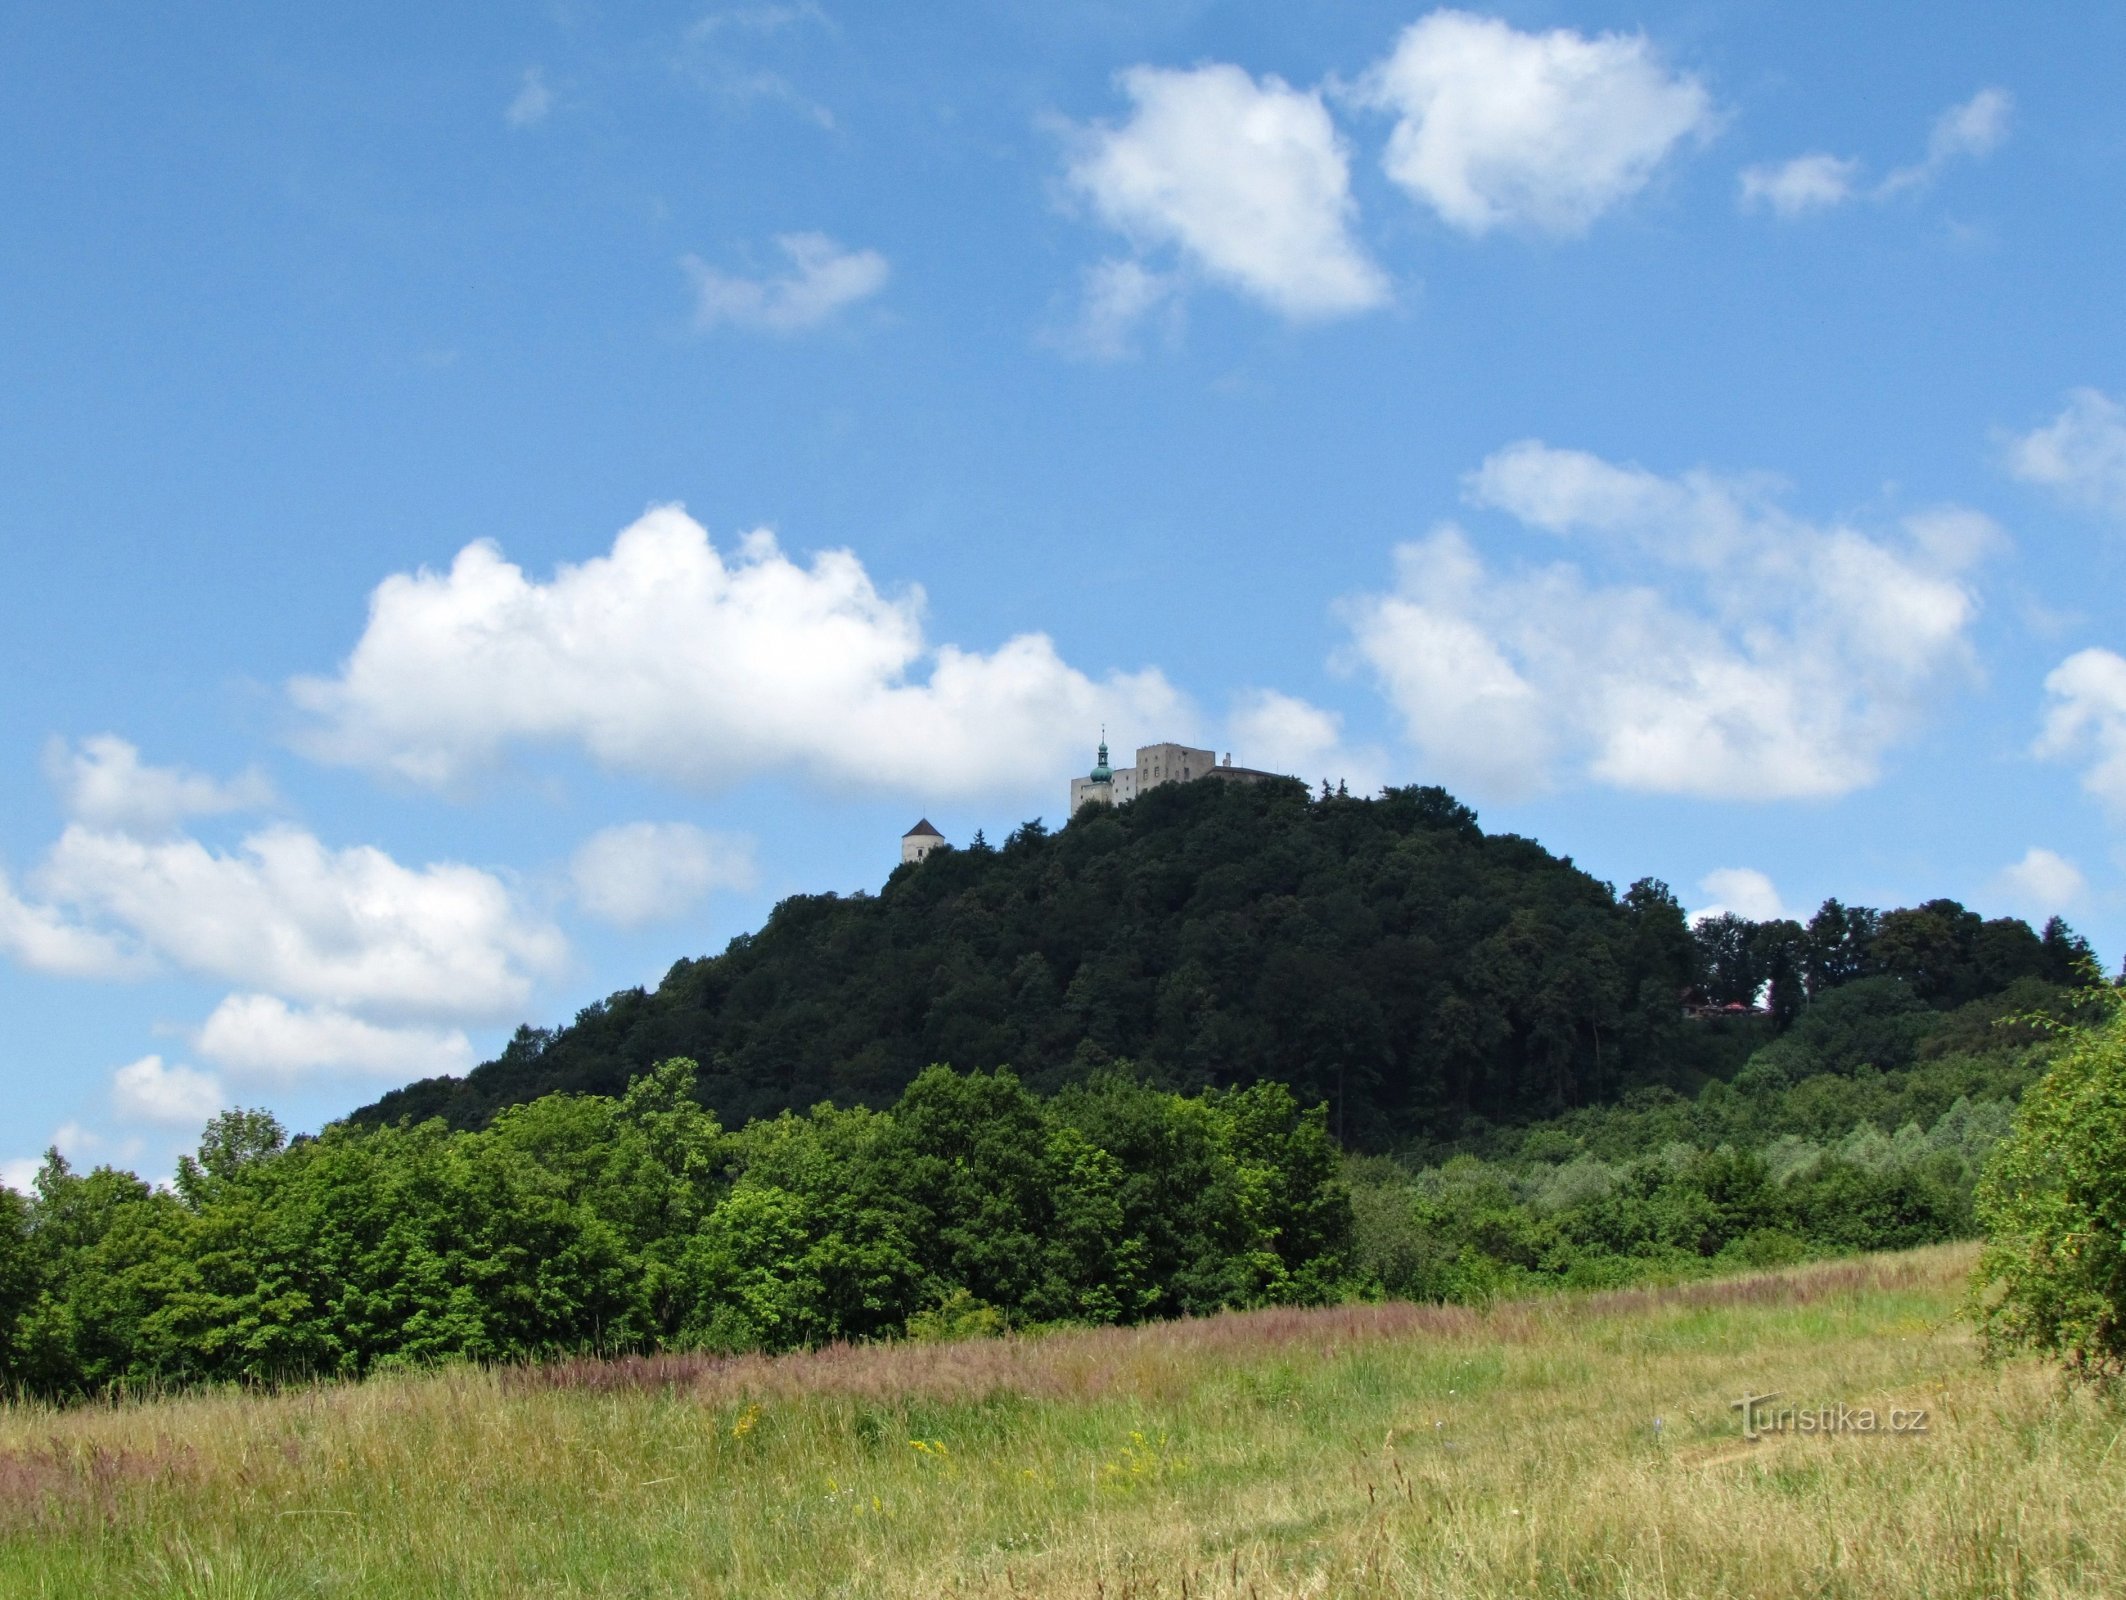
[(2053, 1204)]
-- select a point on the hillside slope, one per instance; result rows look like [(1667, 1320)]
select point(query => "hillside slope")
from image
[(1385, 956)]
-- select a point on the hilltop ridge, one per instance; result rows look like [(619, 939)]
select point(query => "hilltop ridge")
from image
[(1386, 956)]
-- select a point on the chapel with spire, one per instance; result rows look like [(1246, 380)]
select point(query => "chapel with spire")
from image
[(1109, 785)]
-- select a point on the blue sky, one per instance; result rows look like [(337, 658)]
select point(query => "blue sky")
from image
[(496, 499)]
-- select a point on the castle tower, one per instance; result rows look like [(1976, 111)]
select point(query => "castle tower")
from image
[(1097, 788), (919, 841)]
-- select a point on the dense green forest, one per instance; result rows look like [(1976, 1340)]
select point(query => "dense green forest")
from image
[(576, 1223), (586, 1223), (1386, 957)]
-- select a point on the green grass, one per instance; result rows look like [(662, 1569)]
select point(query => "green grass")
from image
[(1359, 1451)]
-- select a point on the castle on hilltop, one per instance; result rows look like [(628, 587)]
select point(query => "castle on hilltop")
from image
[(1111, 786), (1156, 764)]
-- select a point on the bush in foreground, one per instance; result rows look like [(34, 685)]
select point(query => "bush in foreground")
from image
[(2053, 1205)]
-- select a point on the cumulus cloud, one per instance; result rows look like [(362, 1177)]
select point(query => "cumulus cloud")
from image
[(2080, 455), (1737, 652), (2086, 717), (283, 912), (1282, 733), (1246, 179), (19, 1173), (669, 659), (44, 939), (1743, 891), (1499, 128), (362, 941), (645, 872), (532, 102), (103, 782), (262, 1036), (823, 279), (2042, 884), (1807, 183), (170, 1096), (1819, 182)]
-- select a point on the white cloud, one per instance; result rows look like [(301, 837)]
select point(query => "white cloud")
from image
[(1247, 179), (2087, 715), (1806, 183), (2080, 455), (262, 1036), (43, 939), (2042, 884), (1496, 127), (1975, 128), (759, 19), (171, 1096), (104, 783), (1819, 182), (342, 927), (645, 872), (1745, 892), (1282, 733), (669, 660), (823, 279), (76, 1143), (1738, 653), (533, 100), (1967, 131), (720, 50), (1120, 295), (79, 1146)]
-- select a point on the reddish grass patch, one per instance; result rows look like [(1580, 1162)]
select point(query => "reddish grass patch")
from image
[(1160, 1358), (65, 1486)]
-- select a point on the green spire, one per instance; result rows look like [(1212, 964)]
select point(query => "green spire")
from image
[(1102, 773)]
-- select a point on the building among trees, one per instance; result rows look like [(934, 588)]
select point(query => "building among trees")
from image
[(919, 841), (1113, 786), (1156, 764)]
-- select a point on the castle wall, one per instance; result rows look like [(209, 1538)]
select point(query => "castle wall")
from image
[(1084, 791), (1171, 763), (1157, 764)]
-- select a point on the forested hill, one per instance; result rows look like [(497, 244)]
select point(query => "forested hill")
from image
[(1385, 956)]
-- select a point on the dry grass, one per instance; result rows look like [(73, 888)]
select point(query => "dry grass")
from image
[(1360, 1451)]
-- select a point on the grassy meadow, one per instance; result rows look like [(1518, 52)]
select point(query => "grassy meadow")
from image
[(1355, 1451)]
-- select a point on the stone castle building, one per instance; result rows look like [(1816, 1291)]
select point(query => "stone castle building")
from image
[(1156, 764), (1114, 786)]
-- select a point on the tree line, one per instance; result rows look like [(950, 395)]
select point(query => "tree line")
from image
[(1944, 954), (584, 1223), (1867, 1125)]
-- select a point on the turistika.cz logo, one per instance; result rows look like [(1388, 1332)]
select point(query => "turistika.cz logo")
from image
[(1760, 1417)]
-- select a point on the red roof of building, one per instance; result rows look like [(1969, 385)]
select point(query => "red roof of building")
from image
[(922, 830)]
